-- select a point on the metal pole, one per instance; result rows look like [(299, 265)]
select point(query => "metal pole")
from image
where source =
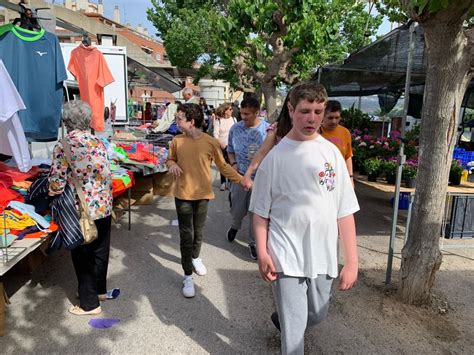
[(383, 126), (129, 195), (401, 159)]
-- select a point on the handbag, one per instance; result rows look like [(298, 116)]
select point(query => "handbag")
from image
[(88, 227)]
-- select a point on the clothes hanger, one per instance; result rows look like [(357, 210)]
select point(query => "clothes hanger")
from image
[(28, 18), (86, 41)]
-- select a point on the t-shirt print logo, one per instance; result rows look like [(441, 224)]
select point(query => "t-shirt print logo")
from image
[(328, 177), (41, 53)]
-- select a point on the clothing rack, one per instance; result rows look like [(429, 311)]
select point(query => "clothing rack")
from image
[(28, 16)]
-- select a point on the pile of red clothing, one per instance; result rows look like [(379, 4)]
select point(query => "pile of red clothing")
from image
[(8, 177)]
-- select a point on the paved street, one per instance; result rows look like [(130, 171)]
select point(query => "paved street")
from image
[(230, 313)]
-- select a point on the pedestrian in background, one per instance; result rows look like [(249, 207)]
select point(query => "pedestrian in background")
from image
[(236, 111), (212, 118), (222, 126), (189, 160), (245, 138), (91, 260), (337, 134)]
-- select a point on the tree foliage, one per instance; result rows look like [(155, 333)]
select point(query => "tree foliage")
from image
[(261, 43)]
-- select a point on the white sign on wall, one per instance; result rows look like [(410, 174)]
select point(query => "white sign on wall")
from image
[(116, 92)]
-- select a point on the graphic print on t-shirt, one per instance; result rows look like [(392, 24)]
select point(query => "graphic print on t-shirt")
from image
[(327, 177)]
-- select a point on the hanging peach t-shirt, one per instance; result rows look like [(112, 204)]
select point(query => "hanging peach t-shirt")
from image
[(92, 73)]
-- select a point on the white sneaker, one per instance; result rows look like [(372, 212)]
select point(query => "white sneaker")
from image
[(199, 267), (223, 186), (188, 288)]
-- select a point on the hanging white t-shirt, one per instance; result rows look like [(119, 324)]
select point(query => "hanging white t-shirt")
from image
[(12, 136), (303, 187)]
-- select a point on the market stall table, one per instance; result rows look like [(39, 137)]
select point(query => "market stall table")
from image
[(465, 187), (11, 256), (458, 205)]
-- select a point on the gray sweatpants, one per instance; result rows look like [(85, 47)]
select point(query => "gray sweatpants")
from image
[(301, 302), (240, 201)]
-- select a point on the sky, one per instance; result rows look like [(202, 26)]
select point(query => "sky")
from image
[(131, 11)]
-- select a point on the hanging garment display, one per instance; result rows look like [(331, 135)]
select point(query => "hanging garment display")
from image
[(36, 67), (12, 137), (92, 73)]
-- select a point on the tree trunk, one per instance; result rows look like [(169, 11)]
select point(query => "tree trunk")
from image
[(257, 93), (446, 82), (269, 93)]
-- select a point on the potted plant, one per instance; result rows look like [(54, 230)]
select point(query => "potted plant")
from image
[(455, 172), (360, 155), (372, 167), (389, 168), (410, 169)]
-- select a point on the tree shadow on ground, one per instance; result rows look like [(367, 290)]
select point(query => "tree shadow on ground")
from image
[(372, 318), (38, 321), (221, 318)]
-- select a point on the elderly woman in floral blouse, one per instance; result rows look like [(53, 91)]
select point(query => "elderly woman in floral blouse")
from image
[(91, 167)]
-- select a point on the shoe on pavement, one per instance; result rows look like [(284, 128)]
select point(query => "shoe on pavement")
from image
[(222, 188), (231, 233), (199, 267), (276, 320), (253, 252), (78, 311), (110, 295), (188, 288)]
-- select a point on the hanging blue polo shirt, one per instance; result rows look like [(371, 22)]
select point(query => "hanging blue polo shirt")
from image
[(36, 65)]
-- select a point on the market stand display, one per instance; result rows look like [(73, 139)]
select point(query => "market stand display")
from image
[(30, 112), (457, 220), (144, 152)]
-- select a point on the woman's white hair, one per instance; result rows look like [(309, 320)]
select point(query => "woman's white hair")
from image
[(76, 115)]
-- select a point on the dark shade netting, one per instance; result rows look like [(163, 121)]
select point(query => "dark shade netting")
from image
[(380, 69)]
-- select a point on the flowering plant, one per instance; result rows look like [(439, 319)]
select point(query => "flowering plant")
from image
[(389, 167), (410, 169), (456, 168), (373, 166)]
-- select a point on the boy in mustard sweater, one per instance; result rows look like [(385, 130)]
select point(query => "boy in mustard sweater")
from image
[(189, 160)]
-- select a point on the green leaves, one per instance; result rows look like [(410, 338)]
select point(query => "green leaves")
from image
[(258, 34)]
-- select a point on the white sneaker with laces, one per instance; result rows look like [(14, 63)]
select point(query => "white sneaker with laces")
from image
[(223, 186), (199, 267), (188, 288)]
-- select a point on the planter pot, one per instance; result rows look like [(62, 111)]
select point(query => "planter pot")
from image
[(455, 179), (410, 183), (391, 179), (372, 177), (355, 165)]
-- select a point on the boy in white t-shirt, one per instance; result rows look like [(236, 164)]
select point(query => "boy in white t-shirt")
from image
[(302, 200)]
